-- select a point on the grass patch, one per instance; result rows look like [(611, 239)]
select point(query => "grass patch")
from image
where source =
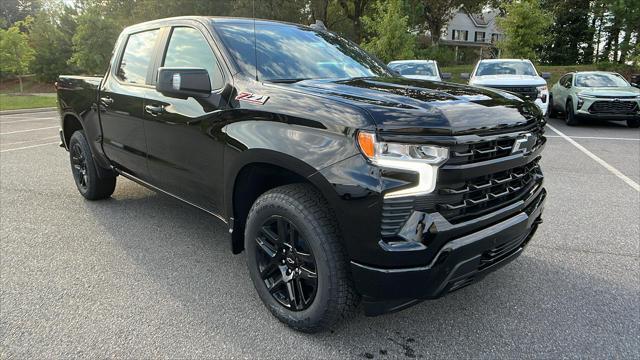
[(556, 71), (12, 102)]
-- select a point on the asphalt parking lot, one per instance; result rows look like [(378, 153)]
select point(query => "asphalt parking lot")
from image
[(142, 275)]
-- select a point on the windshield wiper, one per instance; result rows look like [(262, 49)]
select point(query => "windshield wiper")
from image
[(286, 81)]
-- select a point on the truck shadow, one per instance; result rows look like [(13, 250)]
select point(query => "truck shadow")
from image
[(532, 306)]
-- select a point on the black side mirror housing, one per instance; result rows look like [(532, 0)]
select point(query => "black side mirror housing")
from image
[(445, 76), (546, 75), (464, 76), (183, 83)]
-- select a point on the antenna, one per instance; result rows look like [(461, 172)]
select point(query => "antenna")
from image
[(255, 41)]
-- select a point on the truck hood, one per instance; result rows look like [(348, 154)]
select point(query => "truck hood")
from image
[(419, 107), (507, 80), (423, 77), (625, 91)]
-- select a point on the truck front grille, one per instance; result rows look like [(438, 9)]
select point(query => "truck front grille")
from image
[(613, 107), (482, 195), (529, 92), (460, 196), (487, 150)]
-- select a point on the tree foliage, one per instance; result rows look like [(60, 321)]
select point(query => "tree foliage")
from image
[(93, 41), (15, 52), (524, 25), (388, 26), (50, 35)]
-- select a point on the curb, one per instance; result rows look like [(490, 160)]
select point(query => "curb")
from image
[(26, 111)]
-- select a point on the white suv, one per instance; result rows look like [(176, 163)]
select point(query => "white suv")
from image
[(515, 75)]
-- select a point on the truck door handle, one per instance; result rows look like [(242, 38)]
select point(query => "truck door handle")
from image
[(106, 100), (154, 110)]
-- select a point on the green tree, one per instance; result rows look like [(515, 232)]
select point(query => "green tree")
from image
[(12, 11), (93, 41), (355, 10), (15, 52), (50, 34), (389, 28), (571, 34), (524, 26)]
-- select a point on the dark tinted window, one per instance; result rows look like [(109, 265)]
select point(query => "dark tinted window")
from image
[(137, 55), (292, 52), (189, 48)]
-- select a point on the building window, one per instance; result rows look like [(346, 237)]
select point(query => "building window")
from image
[(495, 38), (460, 35), (479, 36)]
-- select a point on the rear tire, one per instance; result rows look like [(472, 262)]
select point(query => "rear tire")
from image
[(292, 243), (633, 123), (85, 172), (571, 119)]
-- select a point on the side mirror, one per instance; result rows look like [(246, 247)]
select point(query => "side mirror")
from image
[(464, 76), (183, 82), (546, 75), (635, 85), (445, 76)]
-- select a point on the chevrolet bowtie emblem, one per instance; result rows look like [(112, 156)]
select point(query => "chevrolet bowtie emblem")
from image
[(524, 143)]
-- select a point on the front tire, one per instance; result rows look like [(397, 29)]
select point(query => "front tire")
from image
[(633, 123), (571, 119), (85, 173), (296, 260), (551, 110)]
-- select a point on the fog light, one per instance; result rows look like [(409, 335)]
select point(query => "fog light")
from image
[(580, 103)]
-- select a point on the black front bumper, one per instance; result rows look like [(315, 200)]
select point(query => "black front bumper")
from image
[(458, 263), (609, 117)]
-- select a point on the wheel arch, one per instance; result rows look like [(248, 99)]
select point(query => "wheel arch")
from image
[(273, 169), (70, 124)]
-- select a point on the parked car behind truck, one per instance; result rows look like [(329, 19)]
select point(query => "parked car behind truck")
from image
[(596, 95), (419, 69), (515, 75), (342, 183)]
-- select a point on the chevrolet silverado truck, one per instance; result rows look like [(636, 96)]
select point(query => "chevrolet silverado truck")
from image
[(343, 183), (518, 76)]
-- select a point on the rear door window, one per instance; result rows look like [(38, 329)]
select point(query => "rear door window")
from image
[(188, 48), (138, 54)]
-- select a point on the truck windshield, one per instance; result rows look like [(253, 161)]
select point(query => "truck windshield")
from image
[(289, 53), (600, 80), (506, 68), (424, 69)]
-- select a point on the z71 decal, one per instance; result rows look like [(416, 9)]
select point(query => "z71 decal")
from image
[(252, 98)]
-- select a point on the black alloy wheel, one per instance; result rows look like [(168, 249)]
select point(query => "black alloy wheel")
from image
[(90, 184), (571, 118), (79, 166), (296, 259), (286, 264)]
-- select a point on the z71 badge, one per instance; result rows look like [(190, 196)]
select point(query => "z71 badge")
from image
[(252, 98)]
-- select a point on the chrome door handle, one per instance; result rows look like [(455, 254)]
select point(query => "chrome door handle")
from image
[(154, 110), (106, 100)]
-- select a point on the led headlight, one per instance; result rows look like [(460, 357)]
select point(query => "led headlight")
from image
[(421, 159), (540, 90)]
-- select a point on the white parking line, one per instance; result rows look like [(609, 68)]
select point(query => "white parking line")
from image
[(25, 120), (28, 147), (21, 131), (606, 165), (26, 141), (594, 138)]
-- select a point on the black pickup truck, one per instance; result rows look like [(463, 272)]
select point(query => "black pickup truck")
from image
[(343, 182)]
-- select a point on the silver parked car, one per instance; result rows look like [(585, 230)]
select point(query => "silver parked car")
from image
[(597, 95)]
